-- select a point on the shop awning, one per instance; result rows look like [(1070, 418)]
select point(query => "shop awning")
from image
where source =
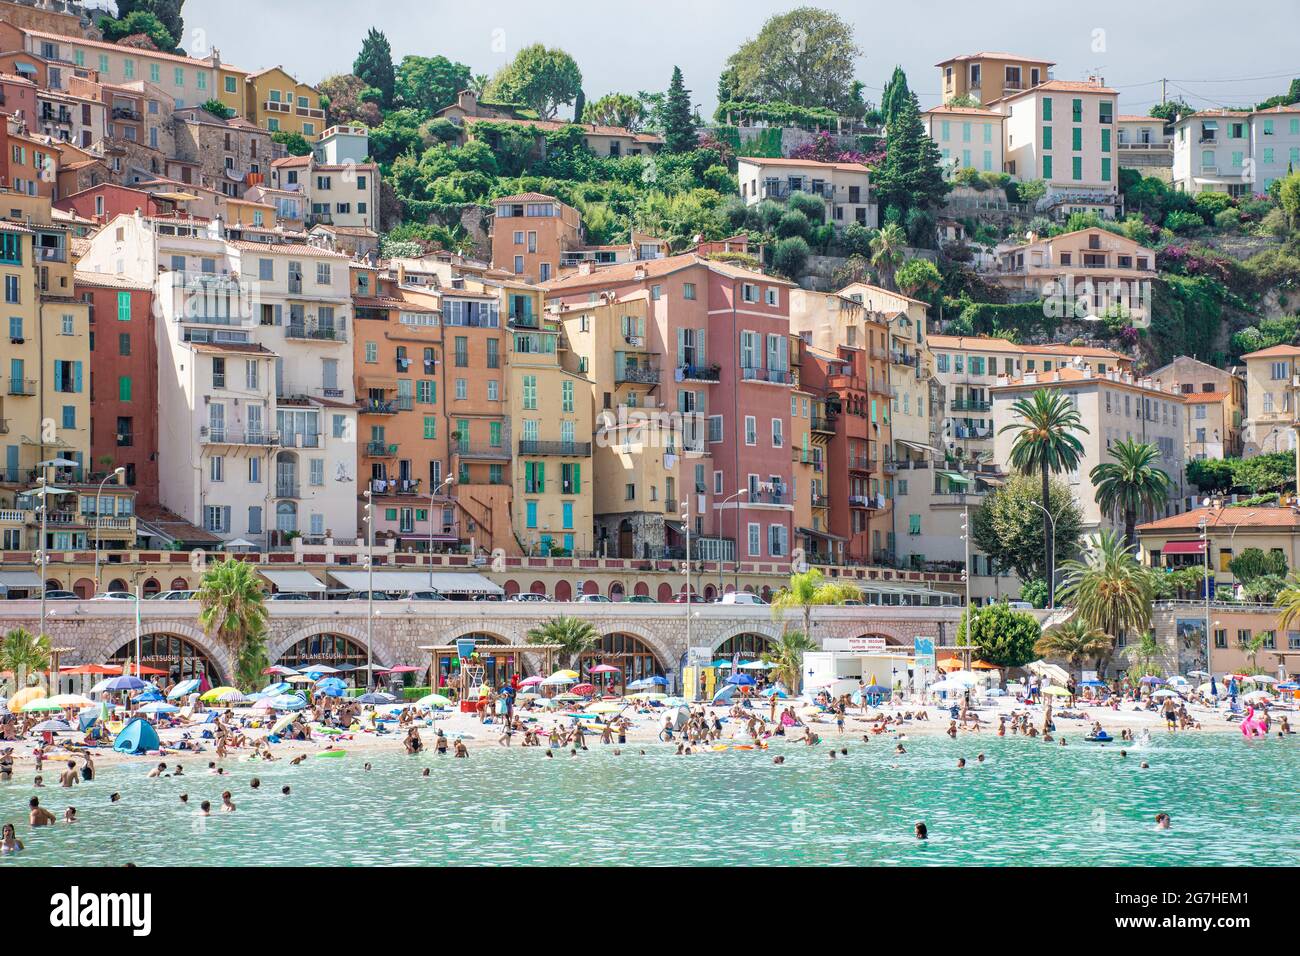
[(294, 580), (917, 446), (956, 477), (820, 534), (21, 579), (1183, 547), (445, 582)]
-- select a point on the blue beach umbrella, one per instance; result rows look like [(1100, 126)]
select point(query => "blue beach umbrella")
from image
[(657, 679), (184, 687), (159, 707), (288, 702), (333, 686), (724, 692), (1149, 679), (775, 690), (741, 680), (152, 695), (279, 687), (124, 682), (721, 662)]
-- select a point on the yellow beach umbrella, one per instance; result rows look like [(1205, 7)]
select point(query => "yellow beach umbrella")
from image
[(217, 693), (71, 700), (1056, 691), (605, 707), (24, 697)]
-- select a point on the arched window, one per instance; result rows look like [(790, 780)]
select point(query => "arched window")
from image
[(511, 587), (180, 584), (747, 646), (563, 591), (632, 656), (84, 588), (665, 595), (710, 592), (151, 586), (334, 650), (616, 591), (53, 584), (176, 657), (641, 589), (286, 516), (117, 584), (537, 587)]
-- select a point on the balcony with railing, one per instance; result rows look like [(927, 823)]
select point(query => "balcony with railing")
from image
[(379, 406), (973, 431), (772, 376), (315, 333), (821, 501), (210, 435), (781, 191), (699, 373), (637, 375), (482, 452), (21, 386), (971, 405), (902, 358), (824, 423), (380, 449), (567, 449), (859, 463)]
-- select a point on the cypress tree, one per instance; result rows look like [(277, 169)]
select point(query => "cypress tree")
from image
[(374, 64), (679, 122)]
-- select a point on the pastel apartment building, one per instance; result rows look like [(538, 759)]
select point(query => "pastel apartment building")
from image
[(1272, 389), (845, 188), (1087, 273), (338, 194), (257, 413), (1216, 405), (1063, 132), (531, 233), (1237, 152), (986, 77), (279, 103), (968, 138)]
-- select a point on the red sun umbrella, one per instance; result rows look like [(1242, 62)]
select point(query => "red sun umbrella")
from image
[(582, 690), (91, 669), (403, 669), (603, 669), (149, 670)]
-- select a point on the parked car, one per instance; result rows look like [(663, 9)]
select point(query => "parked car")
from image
[(528, 596), (695, 599), (1020, 605), (114, 596), (641, 599), (426, 596), (56, 595), (288, 596), (593, 599), (173, 596), (740, 597), (365, 596)]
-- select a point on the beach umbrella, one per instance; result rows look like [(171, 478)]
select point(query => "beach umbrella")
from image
[(279, 687), (159, 707), (279, 669), (52, 727), (1178, 680), (531, 681), (757, 666), (566, 672), (282, 723), (876, 689), (776, 690), (124, 682), (604, 707), (1151, 680), (1056, 691), (965, 678), (184, 688), (721, 662), (603, 669), (317, 670), (946, 686), (288, 702), (559, 678), (1257, 695), (149, 696), (1261, 679), (983, 666), (567, 698), (725, 692), (1288, 685), (404, 669), (327, 684), (583, 690), (24, 697), (430, 701), (217, 692), (741, 680), (377, 698), (1092, 683), (71, 700), (1198, 673), (1165, 693), (40, 706), (647, 695), (263, 703), (658, 679)]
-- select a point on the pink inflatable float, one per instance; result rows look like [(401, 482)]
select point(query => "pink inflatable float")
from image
[(1250, 727)]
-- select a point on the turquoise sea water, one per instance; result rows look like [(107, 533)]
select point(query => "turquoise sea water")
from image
[(1030, 803)]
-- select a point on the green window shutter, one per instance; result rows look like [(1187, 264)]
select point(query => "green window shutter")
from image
[(124, 388), (1076, 138), (430, 427), (577, 479), (124, 307), (1047, 107), (1047, 137), (1047, 167), (1105, 141), (1076, 167), (1077, 110), (1105, 170), (390, 514)]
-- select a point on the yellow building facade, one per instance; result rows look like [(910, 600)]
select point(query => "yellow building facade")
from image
[(276, 101)]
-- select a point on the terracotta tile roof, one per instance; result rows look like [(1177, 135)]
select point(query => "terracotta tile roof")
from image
[(526, 197), (1064, 348), (1134, 118), (654, 269), (973, 110), (783, 161), (107, 280), (1204, 398), (995, 56), (135, 51), (247, 348), (291, 161), (1060, 86), (171, 525), (1068, 375), (388, 302), (1274, 351), (590, 129), (1239, 517), (285, 248)]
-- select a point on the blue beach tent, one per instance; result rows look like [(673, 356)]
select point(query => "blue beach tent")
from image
[(137, 737)]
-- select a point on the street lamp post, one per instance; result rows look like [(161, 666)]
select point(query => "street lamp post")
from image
[(432, 495), (117, 473), (370, 583), (1051, 585), (736, 555)]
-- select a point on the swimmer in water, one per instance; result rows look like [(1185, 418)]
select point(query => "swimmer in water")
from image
[(961, 763), (1162, 821), (205, 809), (114, 797), (70, 776), (185, 798), (284, 791), (922, 831), (778, 759), (157, 771), (227, 805), (70, 815), (255, 783), (979, 759), (9, 842), (899, 749)]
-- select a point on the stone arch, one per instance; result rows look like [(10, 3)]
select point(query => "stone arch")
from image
[(493, 675), (641, 589), (890, 636), (665, 595), (665, 658), (563, 590), (768, 629), (511, 587), (151, 587), (118, 584), (590, 586), (179, 584), (53, 584), (217, 654), (537, 587), (381, 651), (616, 591), (84, 588), (710, 592), (748, 645)]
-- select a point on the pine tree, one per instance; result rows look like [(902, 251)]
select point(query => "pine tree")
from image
[(910, 178), (895, 92), (374, 64), (679, 122)]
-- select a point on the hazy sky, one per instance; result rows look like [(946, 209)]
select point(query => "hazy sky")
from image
[(1210, 55)]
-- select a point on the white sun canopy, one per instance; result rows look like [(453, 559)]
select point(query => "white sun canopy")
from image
[(444, 582), (293, 580)]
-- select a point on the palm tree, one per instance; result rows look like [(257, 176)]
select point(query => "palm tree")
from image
[(1131, 483), (232, 610), (1144, 655), (808, 590), (1109, 588), (1075, 642), (1046, 443), (574, 635), (1288, 602), (887, 251), (786, 654), (23, 653)]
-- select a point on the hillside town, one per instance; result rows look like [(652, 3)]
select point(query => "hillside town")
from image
[(490, 333)]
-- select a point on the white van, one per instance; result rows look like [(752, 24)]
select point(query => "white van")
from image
[(741, 597)]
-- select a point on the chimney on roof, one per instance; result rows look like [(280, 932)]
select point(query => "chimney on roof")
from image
[(584, 267), (639, 274)]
